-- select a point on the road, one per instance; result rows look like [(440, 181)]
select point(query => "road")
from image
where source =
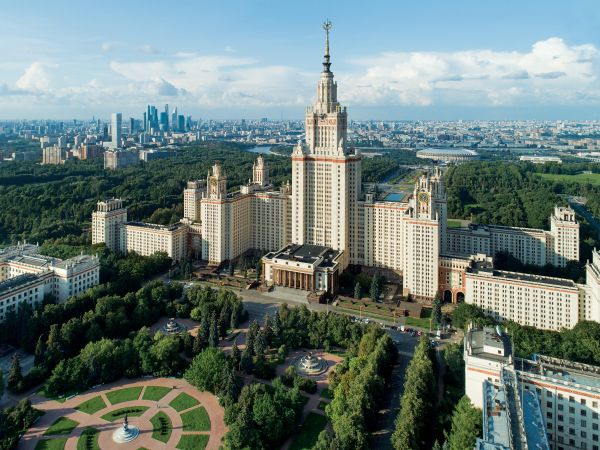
[(580, 209)]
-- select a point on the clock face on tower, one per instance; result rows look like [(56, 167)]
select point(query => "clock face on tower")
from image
[(423, 197)]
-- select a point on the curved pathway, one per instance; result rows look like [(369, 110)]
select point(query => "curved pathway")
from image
[(54, 410)]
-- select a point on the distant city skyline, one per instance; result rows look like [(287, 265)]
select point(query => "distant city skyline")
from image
[(397, 61)]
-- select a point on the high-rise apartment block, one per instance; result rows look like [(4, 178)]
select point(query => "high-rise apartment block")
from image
[(116, 124), (107, 220)]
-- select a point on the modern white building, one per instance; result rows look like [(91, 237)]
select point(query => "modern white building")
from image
[(567, 394), (27, 276)]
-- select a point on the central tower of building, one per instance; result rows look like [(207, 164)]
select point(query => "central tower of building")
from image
[(326, 173)]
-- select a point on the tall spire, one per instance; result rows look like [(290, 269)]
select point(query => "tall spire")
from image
[(327, 25)]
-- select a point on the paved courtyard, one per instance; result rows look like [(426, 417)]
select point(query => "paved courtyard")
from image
[(183, 417)]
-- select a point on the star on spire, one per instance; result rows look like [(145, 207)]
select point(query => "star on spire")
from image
[(327, 25)]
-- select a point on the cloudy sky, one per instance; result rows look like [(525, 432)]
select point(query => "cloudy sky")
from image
[(398, 59)]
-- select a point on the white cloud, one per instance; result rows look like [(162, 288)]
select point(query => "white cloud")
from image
[(550, 72), (111, 45), (36, 77), (147, 48)]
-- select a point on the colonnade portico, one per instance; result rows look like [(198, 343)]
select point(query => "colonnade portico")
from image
[(297, 280)]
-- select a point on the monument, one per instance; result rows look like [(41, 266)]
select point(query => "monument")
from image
[(173, 327), (126, 433), (311, 364)]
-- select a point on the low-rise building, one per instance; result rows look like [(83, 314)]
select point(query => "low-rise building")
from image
[(27, 276), (306, 267)]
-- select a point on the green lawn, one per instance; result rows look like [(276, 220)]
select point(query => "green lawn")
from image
[(92, 405), (132, 411), (88, 440), (196, 420), (161, 427), (124, 395), (62, 425), (309, 432), (453, 224), (51, 444), (580, 178), (193, 442), (422, 322), (155, 392), (60, 399), (183, 401)]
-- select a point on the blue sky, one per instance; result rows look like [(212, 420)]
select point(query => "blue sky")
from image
[(393, 60)]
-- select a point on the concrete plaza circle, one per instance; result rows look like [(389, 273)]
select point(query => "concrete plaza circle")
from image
[(55, 410)]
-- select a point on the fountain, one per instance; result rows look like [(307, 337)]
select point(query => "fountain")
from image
[(173, 327), (311, 364), (126, 433)]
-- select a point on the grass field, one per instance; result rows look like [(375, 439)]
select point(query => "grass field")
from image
[(453, 223), (161, 427), (61, 399), (132, 411), (51, 444), (124, 395), (183, 401), (62, 425), (155, 392), (309, 432), (196, 420), (92, 405), (422, 322), (193, 442), (88, 440), (581, 178)]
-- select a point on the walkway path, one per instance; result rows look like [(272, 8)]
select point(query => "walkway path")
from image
[(55, 410)]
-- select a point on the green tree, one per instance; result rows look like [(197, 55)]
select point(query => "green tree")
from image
[(206, 370), (357, 291), (1, 384), (40, 351), (258, 268), (375, 289), (15, 375), (466, 425), (436, 311), (236, 355), (213, 336)]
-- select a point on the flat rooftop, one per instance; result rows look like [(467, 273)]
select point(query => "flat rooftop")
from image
[(563, 371), (16, 282), (307, 253), (155, 226), (530, 278), (481, 340)]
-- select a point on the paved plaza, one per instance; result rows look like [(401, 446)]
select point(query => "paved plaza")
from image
[(185, 416)]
